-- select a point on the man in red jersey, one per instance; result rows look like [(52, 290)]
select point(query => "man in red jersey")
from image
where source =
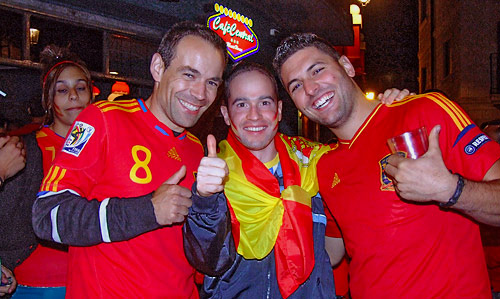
[(118, 191), (422, 243), (270, 210)]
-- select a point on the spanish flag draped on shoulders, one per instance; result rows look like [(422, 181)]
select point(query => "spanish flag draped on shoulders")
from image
[(264, 218)]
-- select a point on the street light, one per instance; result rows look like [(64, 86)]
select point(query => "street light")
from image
[(356, 16)]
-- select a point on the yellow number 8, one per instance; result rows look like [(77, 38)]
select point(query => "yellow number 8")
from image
[(140, 164)]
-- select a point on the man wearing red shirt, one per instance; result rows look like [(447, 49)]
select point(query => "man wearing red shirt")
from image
[(118, 191), (422, 243)]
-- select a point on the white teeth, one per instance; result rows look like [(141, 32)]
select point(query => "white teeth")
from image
[(255, 129), (323, 101), (189, 106)]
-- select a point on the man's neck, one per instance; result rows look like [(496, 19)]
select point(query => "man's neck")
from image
[(267, 154), (361, 110), (155, 108)]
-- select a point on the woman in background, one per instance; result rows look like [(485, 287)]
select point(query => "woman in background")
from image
[(67, 90)]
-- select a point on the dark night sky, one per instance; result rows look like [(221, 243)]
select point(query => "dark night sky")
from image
[(391, 35)]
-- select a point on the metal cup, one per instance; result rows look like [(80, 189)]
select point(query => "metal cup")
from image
[(412, 144)]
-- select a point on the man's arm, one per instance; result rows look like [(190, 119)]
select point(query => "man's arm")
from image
[(427, 179), (335, 249), (208, 242), (66, 217)]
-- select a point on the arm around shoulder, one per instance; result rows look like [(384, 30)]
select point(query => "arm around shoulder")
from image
[(67, 218)]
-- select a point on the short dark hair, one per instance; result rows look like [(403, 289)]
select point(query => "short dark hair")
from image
[(182, 29), (245, 67), (299, 41)]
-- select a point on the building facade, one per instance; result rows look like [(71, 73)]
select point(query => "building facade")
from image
[(459, 42)]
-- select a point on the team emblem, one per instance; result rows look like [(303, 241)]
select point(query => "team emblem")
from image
[(78, 138), (386, 183), (476, 143)]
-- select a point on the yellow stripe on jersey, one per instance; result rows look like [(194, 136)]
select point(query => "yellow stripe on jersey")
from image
[(451, 108), (121, 108), (366, 123), (59, 178), (128, 103), (404, 101), (40, 134), (193, 138), (127, 106), (54, 176), (51, 176)]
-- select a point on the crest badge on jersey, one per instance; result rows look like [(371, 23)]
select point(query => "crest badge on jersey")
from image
[(386, 183), (476, 143), (78, 138)]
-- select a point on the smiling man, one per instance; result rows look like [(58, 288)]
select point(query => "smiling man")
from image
[(424, 244), (118, 192), (269, 211)]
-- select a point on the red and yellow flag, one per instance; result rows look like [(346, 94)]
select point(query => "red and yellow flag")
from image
[(264, 218)]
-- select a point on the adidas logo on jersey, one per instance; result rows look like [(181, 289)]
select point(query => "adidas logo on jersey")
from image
[(336, 180), (172, 153)]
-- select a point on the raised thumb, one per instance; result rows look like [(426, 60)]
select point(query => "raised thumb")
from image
[(434, 140), (176, 177), (211, 146)]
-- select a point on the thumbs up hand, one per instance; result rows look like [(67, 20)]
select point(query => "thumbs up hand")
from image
[(424, 179), (172, 201), (211, 172)]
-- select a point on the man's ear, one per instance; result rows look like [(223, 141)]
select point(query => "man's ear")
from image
[(347, 66), (156, 67), (223, 110)]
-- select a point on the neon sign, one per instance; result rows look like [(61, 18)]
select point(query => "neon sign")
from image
[(236, 30)]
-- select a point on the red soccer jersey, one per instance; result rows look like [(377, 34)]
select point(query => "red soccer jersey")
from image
[(401, 249), (46, 266), (120, 149), (50, 144)]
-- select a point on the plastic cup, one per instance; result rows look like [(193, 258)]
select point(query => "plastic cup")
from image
[(412, 144)]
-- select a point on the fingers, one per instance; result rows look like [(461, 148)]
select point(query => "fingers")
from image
[(211, 146), (211, 175), (9, 287), (393, 162), (403, 94), (386, 96), (392, 94), (4, 140), (434, 140), (171, 203), (176, 177)]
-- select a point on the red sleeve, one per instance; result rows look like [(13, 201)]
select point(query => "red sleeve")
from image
[(80, 161), (466, 149)]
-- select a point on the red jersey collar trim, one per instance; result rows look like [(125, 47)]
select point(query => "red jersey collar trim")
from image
[(157, 125), (362, 127)]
